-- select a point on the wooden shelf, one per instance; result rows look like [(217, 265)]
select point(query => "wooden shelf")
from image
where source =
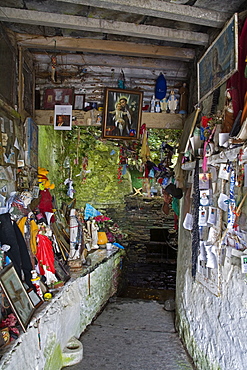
[(152, 120), (163, 120)]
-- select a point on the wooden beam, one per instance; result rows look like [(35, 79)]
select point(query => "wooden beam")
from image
[(105, 47), (161, 9), (84, 60), (101, 26), (108, 71), (152, 120)]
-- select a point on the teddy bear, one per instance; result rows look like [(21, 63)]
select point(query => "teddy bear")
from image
[(44, 182)]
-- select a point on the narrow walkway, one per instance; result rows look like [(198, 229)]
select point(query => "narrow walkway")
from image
[(133, 334)]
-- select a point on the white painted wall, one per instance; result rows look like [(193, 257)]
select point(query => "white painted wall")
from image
[(65, 316), (213, 328)]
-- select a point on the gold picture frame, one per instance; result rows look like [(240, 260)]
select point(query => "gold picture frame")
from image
[(122, 114), (17, 295)]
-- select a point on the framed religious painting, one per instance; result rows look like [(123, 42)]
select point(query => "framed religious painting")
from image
[(18, 297), (122, 114), (220, 60)]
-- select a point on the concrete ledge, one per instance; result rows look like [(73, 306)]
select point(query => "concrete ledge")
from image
[(67, 315)]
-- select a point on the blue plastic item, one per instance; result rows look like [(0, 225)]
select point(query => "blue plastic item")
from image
[(118, 245), (160, 87)]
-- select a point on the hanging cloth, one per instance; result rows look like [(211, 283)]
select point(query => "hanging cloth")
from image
[(33, 232), (195, 213), (11, 235)]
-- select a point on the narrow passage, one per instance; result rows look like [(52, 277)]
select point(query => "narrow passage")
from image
[(133, 334)]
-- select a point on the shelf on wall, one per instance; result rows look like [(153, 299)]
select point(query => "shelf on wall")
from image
[(152, 120)]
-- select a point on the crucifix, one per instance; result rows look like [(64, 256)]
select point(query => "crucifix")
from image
[(17, 297)]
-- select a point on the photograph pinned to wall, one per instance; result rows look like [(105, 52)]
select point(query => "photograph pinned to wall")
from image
[(204, 197), (220, 60), (17, 295), (204, 180), (202, 216), (63, 117), (79, 101), (212, 215), (122, 114)]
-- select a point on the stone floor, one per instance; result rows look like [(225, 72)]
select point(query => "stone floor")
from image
[(133, 334)]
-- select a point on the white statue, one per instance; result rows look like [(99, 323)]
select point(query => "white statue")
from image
[(172, 102), (94, 228), (74, 225)]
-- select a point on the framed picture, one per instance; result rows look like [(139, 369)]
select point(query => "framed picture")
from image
[(122, 114), (17, 295), (54, 97), (32, 143), (220, 60), (79, 100), (63, 117), (35, 298)]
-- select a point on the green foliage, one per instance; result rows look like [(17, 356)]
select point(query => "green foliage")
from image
[(96, 182), (157, 136), (91, 162)]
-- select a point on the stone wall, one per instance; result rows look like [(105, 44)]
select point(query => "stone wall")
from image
[(212, 327), (65, 316), (147, 263)]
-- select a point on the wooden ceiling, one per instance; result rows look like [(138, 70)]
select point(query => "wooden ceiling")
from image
[(95, 40)]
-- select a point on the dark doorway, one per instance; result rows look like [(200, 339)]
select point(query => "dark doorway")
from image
[(150, 267)]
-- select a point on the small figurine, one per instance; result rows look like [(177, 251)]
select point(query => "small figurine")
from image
[(36, 282), (152, 104), (95, 229), (172, 102), (75, 251), (163, 105)]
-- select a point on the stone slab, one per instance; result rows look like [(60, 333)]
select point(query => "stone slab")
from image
[(133, 334)]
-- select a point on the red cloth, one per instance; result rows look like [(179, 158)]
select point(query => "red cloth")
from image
[(238, 83), (45, 254), (45, 204)]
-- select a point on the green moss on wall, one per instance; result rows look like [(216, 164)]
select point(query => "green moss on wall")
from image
[(201, 359), (63, 152), (53, 354)]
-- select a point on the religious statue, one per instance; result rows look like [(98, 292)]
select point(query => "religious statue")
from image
[(183, 105), (172, 102)]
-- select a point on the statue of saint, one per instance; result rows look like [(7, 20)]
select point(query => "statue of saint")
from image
[(172, 102), (183, 105)]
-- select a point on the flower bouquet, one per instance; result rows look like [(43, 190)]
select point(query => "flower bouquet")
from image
[(111, 228), (102, 222)]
